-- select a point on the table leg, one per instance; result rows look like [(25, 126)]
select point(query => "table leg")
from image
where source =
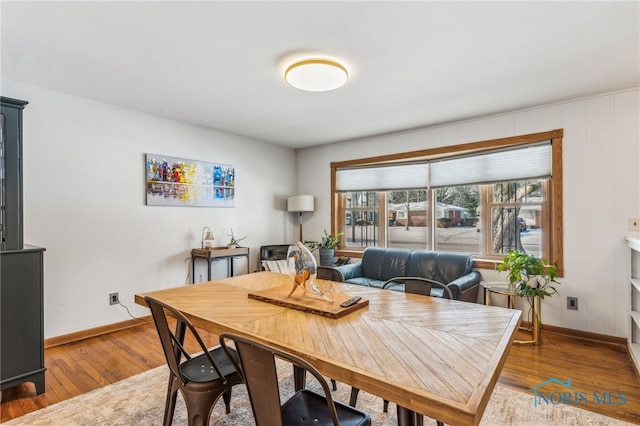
[(536, 320), (408, 417)]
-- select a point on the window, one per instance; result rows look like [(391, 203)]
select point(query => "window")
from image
[(482, 198)]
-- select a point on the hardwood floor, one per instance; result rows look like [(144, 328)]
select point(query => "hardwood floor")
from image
[(80, 367)]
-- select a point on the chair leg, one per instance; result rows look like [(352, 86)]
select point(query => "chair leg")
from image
[(354, 399), (354, 396), (170, 404), (226, 397), (299, 378), (199, 405)]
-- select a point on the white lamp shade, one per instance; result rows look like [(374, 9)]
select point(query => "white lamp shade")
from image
[(300, 203)]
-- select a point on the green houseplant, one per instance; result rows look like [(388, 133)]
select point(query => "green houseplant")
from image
[(326, 246), (233, 242), (529, 275)]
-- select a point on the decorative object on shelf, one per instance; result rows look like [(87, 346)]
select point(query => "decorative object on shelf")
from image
[(326, 247), (207, 238), (300, 204), (233, 242), (173, 181), (304, 271)]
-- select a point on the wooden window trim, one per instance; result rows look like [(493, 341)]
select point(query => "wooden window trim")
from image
[(555, 188)]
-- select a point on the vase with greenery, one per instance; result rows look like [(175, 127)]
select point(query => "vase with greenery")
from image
[(326, 247), (529, 275)]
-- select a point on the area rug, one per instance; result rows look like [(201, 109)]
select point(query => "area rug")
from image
[(140, 400)]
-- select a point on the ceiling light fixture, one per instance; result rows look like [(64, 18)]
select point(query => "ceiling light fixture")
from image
[(316, 75)]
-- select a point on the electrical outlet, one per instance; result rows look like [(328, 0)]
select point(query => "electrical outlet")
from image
[(572, 303), (114, 298), (634, 224)]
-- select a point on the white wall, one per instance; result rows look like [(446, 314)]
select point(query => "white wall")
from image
[(84, 201), (601, 162)]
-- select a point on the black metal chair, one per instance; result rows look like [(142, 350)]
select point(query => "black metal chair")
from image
[(278, 252), (423, 286), (201, 379), (415, 285), (257, 364)]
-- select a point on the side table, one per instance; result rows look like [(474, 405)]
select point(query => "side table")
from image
[(503, 289), (217, 253)]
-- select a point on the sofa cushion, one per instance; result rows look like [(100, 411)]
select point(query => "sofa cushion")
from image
[(439, 266), (272, 252), (281, 266), (381, 264), (434, 292), (366, 281)]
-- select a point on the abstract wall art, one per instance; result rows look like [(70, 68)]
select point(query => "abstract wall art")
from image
[(173, 181)]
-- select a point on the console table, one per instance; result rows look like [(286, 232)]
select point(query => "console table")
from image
[(217, 253), (504, 289)]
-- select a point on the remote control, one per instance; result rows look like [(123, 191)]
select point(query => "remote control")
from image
[(350, 302)]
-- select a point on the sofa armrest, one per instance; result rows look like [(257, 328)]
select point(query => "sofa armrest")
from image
[(467, 283), (331, 273), (350, 270)]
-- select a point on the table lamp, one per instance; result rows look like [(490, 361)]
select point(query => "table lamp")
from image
[(300, 204), (207, 238)]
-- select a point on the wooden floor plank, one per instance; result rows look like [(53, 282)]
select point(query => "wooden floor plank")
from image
[(79, 367)]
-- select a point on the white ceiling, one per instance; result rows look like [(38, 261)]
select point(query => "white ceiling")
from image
[(412, 64)]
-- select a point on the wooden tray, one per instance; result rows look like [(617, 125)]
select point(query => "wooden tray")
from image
[(307, 303)]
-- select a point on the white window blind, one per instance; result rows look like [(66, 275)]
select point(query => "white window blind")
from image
[(531, 162), (383, 178)]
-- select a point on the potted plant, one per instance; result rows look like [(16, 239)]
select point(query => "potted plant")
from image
[(529, 275), (233, 242), (326, 247)]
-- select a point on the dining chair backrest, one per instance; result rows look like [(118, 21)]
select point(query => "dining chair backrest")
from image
[(257, 365), (173, 341), (420, 285), (201, 377)]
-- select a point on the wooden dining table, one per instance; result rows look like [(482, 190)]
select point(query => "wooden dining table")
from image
[(430, 356)]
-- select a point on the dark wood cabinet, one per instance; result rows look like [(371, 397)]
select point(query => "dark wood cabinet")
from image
[(22, 317), (21, 266), (11, 174)]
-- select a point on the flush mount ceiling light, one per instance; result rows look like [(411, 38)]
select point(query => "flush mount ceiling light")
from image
[(316, 75)]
